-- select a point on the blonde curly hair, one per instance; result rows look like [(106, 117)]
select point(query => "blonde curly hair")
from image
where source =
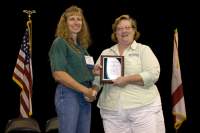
[(63, 31)]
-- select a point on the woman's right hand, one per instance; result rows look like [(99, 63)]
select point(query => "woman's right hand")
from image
[(91, 94), (97, 69)]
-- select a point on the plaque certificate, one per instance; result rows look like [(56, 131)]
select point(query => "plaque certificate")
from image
[(112, 68)]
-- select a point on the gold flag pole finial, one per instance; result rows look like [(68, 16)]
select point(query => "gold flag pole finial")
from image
[(29, 13)]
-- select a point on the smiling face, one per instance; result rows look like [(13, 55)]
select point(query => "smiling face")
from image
[(74, 23), (125, 32)]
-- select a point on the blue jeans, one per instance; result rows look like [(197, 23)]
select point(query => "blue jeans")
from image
[(74, 113)]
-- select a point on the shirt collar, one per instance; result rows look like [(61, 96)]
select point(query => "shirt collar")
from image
[(132, 46)]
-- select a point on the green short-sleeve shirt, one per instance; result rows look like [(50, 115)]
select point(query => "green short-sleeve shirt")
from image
[(65, 58)]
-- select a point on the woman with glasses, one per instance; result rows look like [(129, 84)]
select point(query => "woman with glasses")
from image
[(131, 103)]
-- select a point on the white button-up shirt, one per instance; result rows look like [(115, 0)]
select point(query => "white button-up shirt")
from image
[(138, 59)]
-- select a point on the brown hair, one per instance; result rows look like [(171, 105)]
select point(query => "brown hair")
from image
[(133, 24)]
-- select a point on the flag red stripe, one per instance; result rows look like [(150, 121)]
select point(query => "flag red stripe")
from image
[(177, 95), (25, 89), (26, 108), (19, 68)]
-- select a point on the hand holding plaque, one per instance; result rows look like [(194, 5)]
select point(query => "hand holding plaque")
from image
[(112, 68)]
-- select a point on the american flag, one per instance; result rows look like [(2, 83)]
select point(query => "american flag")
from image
[(178, 101), (23, 75)]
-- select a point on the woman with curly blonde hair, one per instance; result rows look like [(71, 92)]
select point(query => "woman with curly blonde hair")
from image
[(72, 70)]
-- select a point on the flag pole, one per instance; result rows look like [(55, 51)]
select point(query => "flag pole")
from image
[(29, 25)]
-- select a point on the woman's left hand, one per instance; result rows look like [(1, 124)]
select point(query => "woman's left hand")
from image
[(121, 81)]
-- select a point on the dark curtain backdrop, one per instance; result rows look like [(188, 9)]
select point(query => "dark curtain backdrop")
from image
[(156, 22)]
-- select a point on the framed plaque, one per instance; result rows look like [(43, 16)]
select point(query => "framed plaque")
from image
[(112, 68)]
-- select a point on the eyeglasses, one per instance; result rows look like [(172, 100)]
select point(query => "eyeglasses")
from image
[(124, 28)]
